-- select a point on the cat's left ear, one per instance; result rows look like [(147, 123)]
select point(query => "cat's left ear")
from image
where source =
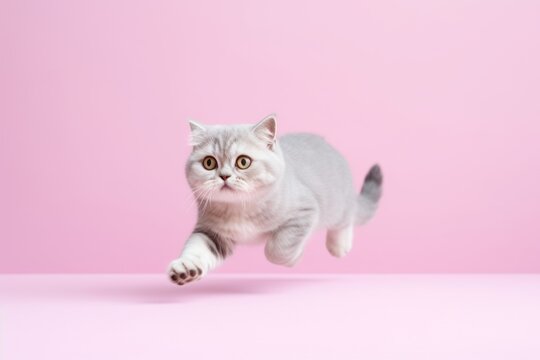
[(266, 130), (198, 133)]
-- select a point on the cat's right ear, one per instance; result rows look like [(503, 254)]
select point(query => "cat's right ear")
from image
[(266, 130), (198, 132)]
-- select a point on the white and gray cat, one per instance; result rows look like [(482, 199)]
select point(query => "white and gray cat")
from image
[(252, 187)]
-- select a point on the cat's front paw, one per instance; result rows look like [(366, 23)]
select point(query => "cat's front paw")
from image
[(181, 271)]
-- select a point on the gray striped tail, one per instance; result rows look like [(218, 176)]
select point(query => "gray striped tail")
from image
[(369, 195)]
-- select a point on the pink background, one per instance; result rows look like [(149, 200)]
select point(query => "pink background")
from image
[(95, 96)]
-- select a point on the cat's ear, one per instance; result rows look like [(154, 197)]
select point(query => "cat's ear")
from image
[(195, 126), (198, 132), (266, 130)]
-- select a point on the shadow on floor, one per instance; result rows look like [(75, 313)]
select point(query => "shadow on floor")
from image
[(162, 291), (151, 289)]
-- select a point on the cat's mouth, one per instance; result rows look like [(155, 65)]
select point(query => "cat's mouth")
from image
[(226, 187)]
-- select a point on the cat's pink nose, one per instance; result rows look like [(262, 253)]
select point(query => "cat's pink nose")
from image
[(224, 177)]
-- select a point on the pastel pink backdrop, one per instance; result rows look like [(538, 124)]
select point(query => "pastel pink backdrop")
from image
[(95, 95)]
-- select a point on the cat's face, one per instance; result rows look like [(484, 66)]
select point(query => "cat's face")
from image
[(235, 163)]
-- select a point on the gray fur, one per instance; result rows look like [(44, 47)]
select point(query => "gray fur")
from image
[(219, 246), (294, 185)]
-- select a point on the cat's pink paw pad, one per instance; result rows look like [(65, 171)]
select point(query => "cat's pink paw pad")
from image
[(182, 272)]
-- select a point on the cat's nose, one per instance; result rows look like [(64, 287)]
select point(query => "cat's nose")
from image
[(224, 177)]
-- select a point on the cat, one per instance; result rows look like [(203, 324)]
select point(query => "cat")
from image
[(252, 187)]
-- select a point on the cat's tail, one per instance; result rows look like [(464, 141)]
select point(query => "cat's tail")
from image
[(371, 192)]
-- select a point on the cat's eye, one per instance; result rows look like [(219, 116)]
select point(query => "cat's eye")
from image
[(243, 162), (209, 163)]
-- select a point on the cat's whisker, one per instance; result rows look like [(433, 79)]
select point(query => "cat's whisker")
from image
[(203, 198), (207, 196), (195, 195)]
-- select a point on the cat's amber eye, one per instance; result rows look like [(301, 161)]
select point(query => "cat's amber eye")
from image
[(209, 163), (243, 162)]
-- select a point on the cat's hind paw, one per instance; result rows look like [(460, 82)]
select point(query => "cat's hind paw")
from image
[(183, 271), (339, 242)]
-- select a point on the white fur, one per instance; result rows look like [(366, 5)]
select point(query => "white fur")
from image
[(293, 186)]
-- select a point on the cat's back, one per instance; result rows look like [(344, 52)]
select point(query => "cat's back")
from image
[(309, 150), (318, 165), (295, 139)]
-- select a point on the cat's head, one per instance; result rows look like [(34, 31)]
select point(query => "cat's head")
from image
[(234, 163)]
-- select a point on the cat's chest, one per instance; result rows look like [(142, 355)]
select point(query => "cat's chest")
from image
[(242, 227)]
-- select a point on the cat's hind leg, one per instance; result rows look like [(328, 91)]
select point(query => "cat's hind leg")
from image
[(287, 243), (339, 241)]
